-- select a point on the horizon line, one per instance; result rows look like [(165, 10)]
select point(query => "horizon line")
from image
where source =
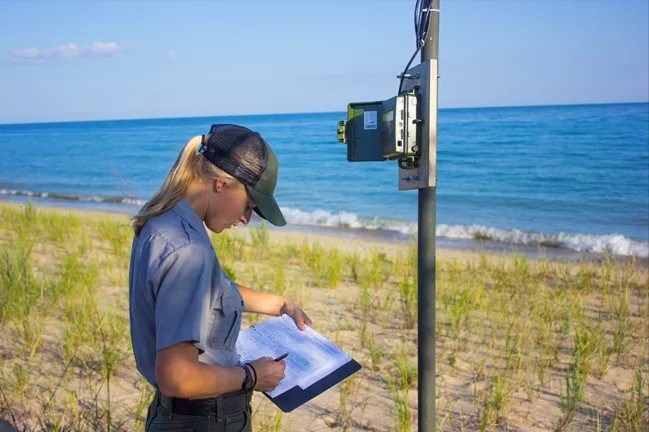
[(310, 112)]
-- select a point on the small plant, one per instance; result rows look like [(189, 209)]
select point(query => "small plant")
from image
[(408, 295), (118, 235), (521, 268), (326, 266), (497, 397), (633, 413), (19, 289), (481, 236), (31, 331), (347, 391), (228, 248), (400, 399), (278, 278), (365, 301), (270, 422), (622, 332), (602, 350), (406, 372), (354, 266), (144, 400), (21, 379), (576, 376), (260, 236), (376, 355), (334, 267)]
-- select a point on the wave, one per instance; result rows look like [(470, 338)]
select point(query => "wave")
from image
[(343, 219), (72, 197), (616, 244)]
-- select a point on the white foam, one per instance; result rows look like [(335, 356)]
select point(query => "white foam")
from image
[(71, 197), (133, 201), (15, 192), (322, 218), (616, 244)]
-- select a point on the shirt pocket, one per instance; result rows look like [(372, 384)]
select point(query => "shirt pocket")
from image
[(226, 320)]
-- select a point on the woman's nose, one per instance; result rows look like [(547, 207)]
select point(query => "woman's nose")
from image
[(245, 217)]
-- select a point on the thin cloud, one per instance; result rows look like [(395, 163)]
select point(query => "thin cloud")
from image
[(28, 55), (67, 51), (173, 54), (103, 49)]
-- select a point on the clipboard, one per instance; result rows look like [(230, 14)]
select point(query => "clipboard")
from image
[(297, 396), (311, 351)]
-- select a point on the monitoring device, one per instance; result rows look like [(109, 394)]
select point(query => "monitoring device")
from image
[(377, 131), (395, 129)]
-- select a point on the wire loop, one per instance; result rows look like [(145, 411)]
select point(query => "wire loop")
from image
[(422, 14)]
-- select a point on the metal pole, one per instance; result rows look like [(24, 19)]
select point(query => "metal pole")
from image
[(426, 252)]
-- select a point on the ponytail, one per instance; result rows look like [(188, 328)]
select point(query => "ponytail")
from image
[(188, 168)]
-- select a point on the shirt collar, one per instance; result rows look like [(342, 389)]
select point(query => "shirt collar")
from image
[(187, 213)]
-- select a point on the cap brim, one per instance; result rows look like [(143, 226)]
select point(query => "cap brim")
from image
[(267, 207)]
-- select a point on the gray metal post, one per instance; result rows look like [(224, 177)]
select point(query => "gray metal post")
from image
[(426, 255)]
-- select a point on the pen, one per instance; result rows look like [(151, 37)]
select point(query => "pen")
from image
[(283, 356)]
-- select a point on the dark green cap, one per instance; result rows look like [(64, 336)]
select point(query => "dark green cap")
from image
[(245, 155)]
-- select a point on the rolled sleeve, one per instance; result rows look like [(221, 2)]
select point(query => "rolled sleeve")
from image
[(182, 298)]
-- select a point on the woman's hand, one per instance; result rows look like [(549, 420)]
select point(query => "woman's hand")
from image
[(291, 309), (269, 373)]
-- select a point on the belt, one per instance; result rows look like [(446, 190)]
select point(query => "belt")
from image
[(219, 406)]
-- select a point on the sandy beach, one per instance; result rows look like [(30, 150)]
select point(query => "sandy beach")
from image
[(522, 344)]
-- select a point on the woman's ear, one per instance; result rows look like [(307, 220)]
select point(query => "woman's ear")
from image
[(218, 185)]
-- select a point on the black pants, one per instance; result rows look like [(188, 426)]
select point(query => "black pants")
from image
[(159, 419)]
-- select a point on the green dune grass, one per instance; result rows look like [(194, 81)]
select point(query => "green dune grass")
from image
[(521, 344)]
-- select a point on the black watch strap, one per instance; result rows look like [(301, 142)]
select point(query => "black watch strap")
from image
[(247, 381)]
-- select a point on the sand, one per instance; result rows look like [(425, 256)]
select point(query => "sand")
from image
[(379, 340)]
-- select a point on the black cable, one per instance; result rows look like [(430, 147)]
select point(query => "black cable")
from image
[(422, 25), (403, 75), (421, 18)]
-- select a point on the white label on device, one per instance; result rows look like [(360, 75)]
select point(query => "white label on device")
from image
[(369, 120)]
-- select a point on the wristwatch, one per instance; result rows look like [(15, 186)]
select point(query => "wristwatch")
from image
[(247, 381)]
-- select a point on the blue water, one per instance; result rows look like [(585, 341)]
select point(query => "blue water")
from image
[(573, 176)]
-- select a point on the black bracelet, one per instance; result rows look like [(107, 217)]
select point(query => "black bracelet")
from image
[(247, 381), (254, 372)]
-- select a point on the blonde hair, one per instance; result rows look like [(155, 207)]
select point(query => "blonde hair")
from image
[(188, 168)]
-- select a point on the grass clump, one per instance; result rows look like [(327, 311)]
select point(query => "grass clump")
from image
[(260, 236), (404, 416), (576, 376), (494, 402), (481, 236), (632, 414), (19, 289), (326, 266)]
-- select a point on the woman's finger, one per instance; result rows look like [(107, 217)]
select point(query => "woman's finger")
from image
[(299, 322)]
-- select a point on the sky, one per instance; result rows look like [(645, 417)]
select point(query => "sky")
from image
[(67, 61)]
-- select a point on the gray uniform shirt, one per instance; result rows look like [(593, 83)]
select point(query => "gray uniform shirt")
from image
[(179, 293)]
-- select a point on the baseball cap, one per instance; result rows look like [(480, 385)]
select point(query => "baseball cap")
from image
[(245, 155)]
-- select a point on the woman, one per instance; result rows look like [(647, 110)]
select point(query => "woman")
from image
[(185, 313)]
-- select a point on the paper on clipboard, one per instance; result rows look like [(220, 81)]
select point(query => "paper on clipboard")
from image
[(311, 356)]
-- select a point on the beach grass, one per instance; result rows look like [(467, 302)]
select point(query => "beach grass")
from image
[(521, 344)]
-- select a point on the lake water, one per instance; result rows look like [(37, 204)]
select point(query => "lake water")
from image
[(572, 177)]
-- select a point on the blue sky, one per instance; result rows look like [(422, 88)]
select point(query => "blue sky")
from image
[(78, 60)]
